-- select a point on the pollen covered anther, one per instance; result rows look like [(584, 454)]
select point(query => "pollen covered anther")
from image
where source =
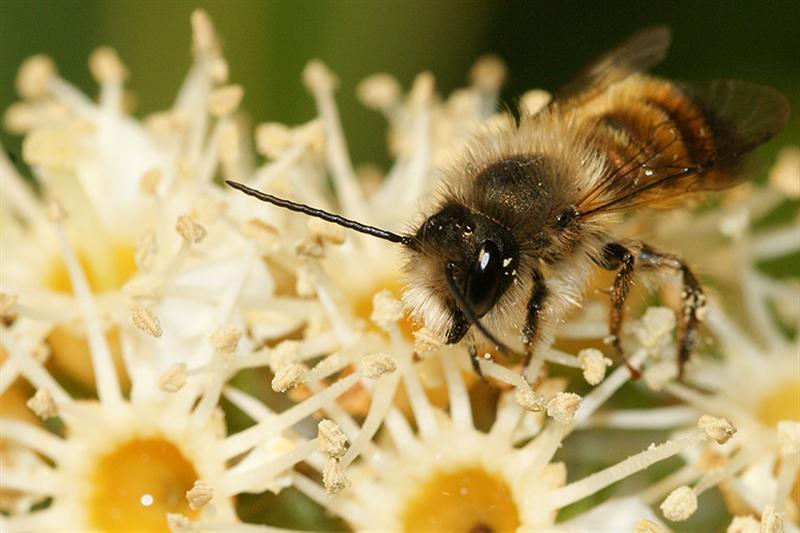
[(189, 229), (225, 100), (317, 76), (333, 477), (680, 504), (43, 404), (562, 406), (289, 376), (718, 429), (145, 250), (174, 378), (771, 520), (106, 66), (199, 495), (226, 339), (326, 231), (375, 365), (178, 523), (386, 310), (34, 75), (593, 364), (488, 73), (273, 139), (148, 183), (332, 440), (7, 303), (379, 91), (146, 320), (530, 400)]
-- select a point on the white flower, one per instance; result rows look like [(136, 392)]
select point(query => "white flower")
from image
[(140, 212)]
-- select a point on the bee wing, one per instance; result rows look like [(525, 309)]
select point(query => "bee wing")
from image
[(736, 118), (640, 52)]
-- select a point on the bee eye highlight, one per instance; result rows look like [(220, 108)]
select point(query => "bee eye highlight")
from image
[(483, 279)]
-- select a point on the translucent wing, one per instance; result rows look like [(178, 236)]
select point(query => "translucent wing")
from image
[(681, 139), (640, 52)]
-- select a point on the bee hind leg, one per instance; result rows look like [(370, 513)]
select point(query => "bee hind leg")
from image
[(625, 261), (692, 295)]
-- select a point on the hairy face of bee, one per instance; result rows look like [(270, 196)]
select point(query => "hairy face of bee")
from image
[(479, 254)]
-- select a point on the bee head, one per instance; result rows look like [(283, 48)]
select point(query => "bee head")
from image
[(461, 262)]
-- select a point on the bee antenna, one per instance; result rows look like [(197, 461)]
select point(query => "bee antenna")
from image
[(469, 313), (324, 215)]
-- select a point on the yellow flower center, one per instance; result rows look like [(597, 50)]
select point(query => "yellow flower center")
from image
[(70, 353), (468, 500), (105, 271), (135, 485), (782, 403)]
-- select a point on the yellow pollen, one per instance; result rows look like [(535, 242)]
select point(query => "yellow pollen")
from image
[(362, 305), (104, 273), (782, 403), (466, 500), (134, 486)]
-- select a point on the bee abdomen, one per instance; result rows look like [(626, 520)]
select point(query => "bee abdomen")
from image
[(650, 126)]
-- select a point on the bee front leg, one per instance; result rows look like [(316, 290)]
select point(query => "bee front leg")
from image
[(473, 358), (535, 305)]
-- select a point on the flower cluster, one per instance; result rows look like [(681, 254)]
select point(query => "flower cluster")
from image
[(170, 346)]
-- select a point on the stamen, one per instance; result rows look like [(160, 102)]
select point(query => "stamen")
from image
[(108, 387), (34, 438), (460, 408), (245, 439), (382, 395), (320, 82), (238, 482), (593, 483)]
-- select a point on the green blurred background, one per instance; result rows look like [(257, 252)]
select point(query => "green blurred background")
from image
[(268, 43)]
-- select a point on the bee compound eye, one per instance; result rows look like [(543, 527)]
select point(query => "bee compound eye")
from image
[(484, 278)]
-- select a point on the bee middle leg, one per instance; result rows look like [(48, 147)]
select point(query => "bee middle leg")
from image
[(625, 260)]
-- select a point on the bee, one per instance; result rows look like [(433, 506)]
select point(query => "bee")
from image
[(529, 208)]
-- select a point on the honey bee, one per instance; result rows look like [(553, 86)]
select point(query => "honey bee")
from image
[(529, 207)]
